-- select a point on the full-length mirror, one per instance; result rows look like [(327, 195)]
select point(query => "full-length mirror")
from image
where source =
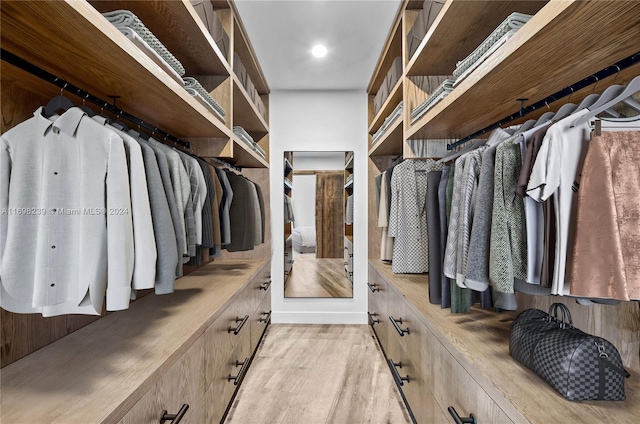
[(318, 224)]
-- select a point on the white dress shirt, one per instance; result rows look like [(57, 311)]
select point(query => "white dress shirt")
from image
[(66, 233)]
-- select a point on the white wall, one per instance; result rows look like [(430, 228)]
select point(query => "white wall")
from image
[(319, 121), (304, 200)]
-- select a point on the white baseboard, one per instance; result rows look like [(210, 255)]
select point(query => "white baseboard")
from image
[(319, 318)]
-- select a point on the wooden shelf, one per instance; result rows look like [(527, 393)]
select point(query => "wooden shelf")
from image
[(560, 45), (99, 372), (245, 113), (247, 54), (391, 142), (460, 27), (177, 25), (387, 108), (71, 31), (245, 156), (391, 50)]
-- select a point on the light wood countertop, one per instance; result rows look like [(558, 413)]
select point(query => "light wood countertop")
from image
[(480, 343)]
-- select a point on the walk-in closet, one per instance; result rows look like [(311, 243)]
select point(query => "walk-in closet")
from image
[(309, 211)]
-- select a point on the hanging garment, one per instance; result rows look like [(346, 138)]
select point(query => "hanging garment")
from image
[(451, 252), (386, 242), (198, 192), (241, 215), (216, 204), (378, 185), (53, 260), (191, 199), (164, 232), (144, 242), (468, 188), (208, 210), (477, 269), (227, 197), (508, 246), (433, 229), (407, 221), (257, 237), (445, 289), (262, 212), (556, 172), (163, 165), (606, 260)]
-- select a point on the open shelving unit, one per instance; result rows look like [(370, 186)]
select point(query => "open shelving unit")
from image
[(119, 68)]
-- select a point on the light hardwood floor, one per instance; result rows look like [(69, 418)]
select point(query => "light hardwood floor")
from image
[(313, 374), (311, 277)]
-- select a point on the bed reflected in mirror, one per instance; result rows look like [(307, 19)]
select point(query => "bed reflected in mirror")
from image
[(318, 224)]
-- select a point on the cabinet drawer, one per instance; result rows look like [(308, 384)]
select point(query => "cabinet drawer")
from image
[(397, 311), (453, 386), (196, 413), (181, 384), (224, 335), (223, 384), (259, 320), (259, 287)]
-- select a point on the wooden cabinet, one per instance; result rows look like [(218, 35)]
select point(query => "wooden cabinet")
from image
[(462, 361), (181, 385), (162, 353)]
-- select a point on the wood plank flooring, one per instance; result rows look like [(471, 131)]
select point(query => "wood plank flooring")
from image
[(313, 374), (311, 277)]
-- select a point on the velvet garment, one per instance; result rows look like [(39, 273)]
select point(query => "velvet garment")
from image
[(607, 246)]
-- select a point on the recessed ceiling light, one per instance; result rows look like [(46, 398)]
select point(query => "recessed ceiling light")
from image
[(319, 50)]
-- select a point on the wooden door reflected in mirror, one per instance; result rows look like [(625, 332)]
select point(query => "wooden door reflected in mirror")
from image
[(318, 224)]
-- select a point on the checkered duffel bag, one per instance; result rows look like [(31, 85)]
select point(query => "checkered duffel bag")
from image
[(578, 365)]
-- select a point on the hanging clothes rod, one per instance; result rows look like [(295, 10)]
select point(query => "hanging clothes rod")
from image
[(592, 79), (86, 96), (227, 164)]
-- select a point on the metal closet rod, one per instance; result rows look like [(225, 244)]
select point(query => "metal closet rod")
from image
[(592, 79), (86, 96)]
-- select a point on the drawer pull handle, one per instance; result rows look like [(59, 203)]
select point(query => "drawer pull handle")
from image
[(346, 263), (174, 418), (265, 286), (286, 254), (372, 319), (458, 419), (238, 378), (396, 375), (266, 318), (351, 255), (373, 287), (395, 323), (242, 321)]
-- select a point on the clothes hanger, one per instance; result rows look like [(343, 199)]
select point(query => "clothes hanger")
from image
[(527, 125), (57, 104), (602, 105), (474, 145), (564, 111), (86, 109), (103, 115), (119, 124)]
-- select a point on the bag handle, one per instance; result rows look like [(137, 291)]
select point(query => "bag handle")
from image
[(566, 321)]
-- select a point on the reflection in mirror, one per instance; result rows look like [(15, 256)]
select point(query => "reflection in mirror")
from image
[(318, 224)]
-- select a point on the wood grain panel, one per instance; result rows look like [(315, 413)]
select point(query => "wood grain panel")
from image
[(417, 90), (562, 44), (392, 49), (177, 25), (395, 97), (391, 142), (257, 326), (182, 383), (72, 30), (329, 215), (459, 28)]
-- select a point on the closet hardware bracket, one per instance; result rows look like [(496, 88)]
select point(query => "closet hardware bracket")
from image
[(266, 318), (460, 420), (242, 321), (396, 375), (238, 378), (567, 91), (174, 418), (395, 323)]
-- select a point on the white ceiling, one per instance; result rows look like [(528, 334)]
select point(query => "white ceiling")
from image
[(283, 32)]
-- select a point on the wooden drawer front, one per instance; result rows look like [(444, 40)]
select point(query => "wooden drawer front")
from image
[(181, 384), (397, 310), (380, 327), (259, 287), (196, 413), (455, 387), (413, 387), (221, 389), (377, 289), (219, 341), (260, 320)]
